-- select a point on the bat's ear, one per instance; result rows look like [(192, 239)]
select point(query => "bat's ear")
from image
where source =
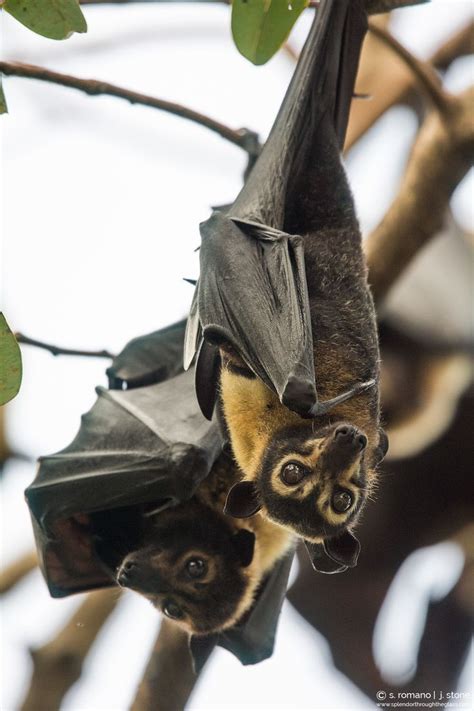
[(208, 366), (201, 648), (243, 500), (382, 447), (343, 549), (244, 544), (321, 561)]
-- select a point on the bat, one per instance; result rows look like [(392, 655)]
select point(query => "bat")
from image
[(200, 567), (134, 447), (149, 359), (138, 460), (282, 319)]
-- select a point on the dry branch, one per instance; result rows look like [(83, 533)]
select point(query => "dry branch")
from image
[(464, 589), (441, 156), (459, 45), (169, 677), (58, 664), (57, 350), (15, 572), (422, 71), (244, 138), (389, 80)]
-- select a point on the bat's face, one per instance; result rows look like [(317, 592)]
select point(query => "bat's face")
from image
[(194, 568), (314, 484)]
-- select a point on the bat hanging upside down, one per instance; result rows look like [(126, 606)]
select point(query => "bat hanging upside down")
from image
[(283, 319), (199, 567)]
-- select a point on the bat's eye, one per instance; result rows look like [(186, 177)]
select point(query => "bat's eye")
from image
[(172, 610), (342, 501), (293, 473), (196, 567)]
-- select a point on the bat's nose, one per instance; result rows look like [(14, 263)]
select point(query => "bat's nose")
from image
[(137, 573), (350, 437), (127, 572)]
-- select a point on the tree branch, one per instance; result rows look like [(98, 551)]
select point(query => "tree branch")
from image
[(389, 81), (464, 590), (169, 677), (459, 45), (57, 665), (244, 138), (56, 350), (423, 71), (16, 571), (440, 158)]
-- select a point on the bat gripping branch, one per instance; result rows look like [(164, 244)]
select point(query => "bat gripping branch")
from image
[(321, 408)]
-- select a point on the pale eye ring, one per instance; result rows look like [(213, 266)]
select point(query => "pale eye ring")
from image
[(292, 473), (342, 501), (172, 610)]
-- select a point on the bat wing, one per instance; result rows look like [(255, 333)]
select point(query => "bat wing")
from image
[(149, 359), (266, 318), (252, 290), (253, 640), (145, 446)]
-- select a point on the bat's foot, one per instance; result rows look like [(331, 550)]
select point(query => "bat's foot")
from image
[(321, 408)]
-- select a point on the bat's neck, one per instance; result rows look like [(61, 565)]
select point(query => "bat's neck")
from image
[(253, 413)]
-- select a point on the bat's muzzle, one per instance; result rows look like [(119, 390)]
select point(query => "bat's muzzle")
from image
[(136, 574), (343, 448), (127, 573), (350, 437)]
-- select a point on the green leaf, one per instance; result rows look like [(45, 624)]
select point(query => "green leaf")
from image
[(260, 27), (3, 101), (10, 363), (56, 19)]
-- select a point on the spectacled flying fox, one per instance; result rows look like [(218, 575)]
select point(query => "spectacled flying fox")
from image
[(199, 567), (283, 320)]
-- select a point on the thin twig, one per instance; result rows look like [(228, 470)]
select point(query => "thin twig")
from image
[(291, 51), (57, 350), (423, 71), (244, 138), (16, 571)]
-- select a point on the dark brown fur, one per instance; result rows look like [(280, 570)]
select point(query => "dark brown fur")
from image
[(345, 347), (235, 557)]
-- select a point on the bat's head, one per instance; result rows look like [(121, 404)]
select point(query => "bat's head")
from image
[(194, 567), (313, 483)]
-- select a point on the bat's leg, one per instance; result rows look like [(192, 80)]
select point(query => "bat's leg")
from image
[(321, 408)]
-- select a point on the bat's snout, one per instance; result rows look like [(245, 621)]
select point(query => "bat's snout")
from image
[(136, 573), (350, 437), (128, 572), (343, 449)]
